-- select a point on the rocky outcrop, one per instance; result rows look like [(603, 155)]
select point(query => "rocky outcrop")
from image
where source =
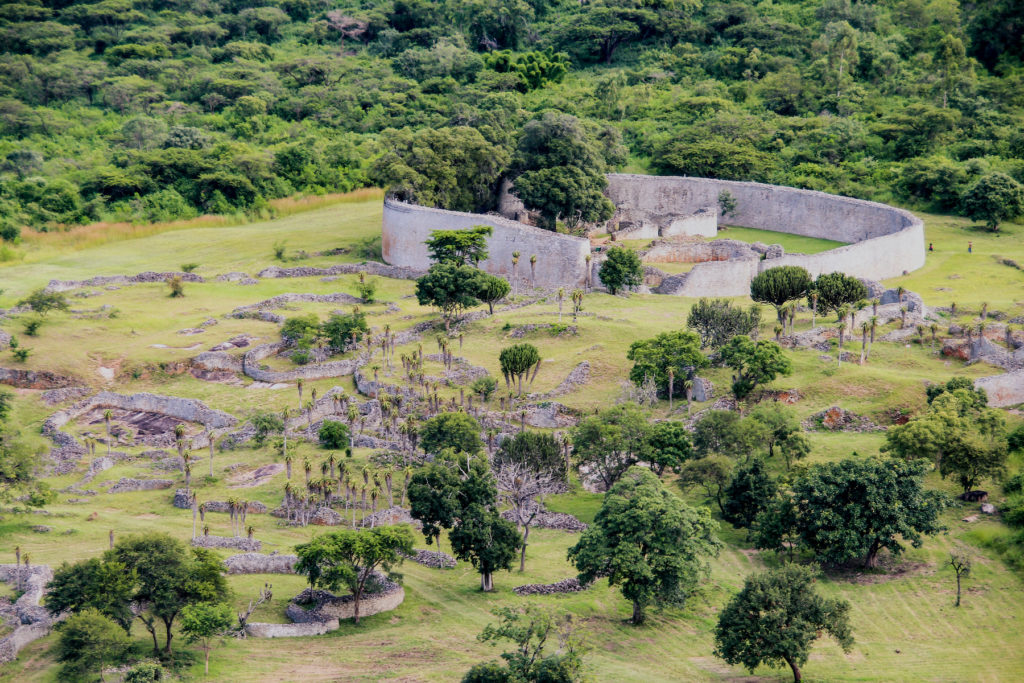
[(293, 297), (545, 519), (257, 563), (836, 419), (249, 545), (390, 517), (54, 396), (576, 378), (251, 366), (32, 379), (325, 516), (1003, 390)]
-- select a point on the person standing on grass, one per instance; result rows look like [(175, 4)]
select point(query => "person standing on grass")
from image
[(970, 247)]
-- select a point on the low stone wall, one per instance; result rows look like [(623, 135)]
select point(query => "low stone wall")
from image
[(703, 222), (368, 267), (250, 545), (560, 258), (34, 621), (250, 366), (329, 607), (257, 563), (1003, 390), (128, 485), (29, 379), (312, 628), (104, 280), (282, 299), (675, 251)]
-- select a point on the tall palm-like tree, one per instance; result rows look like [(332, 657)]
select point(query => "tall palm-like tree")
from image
[(389, 475), (934, 328), (108, 415), (586, 280), (407, 476), (671, 385), (841, 327), (307, 468), (515, 267), (374, 494), (209, 442), (813, 296), (298, 386), (865, 326), (688, 389), (179, 439), (533, 270), (560, 296), (874, 325)]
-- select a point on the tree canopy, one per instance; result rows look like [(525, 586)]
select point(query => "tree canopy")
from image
[(647, 542), (621, 269), (779, 285), (652, 359)]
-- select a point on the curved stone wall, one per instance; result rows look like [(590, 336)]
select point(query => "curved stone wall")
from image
[(881, 241), (561, 259)]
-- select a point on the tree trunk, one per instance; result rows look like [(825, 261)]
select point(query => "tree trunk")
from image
[(206, 663), (486, 582), (638, 613), (526, 535), (957, 589), (872, 559), (796, 670), (355, 605), (167, 627)]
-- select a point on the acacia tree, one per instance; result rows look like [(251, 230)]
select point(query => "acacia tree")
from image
[(459, 247), (88, 640), (647, 541), (776, 617), (350, 558), (458, 431), (202, 623), (718, 320), (516, 363), (779, 285)]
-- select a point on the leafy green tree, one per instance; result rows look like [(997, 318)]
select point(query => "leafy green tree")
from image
[(754, 363), (42, 301), (610, 443), (452, 168), (349, 557), (974, 398), (836, 289), (203, 622), (569, 194), (487, 540), (516, 363), (333, 434), (18, 461), (621, 269), (647, 541), (717, 320), (783, 433), (668, 446), (653, 357), (750, 491), (87, 641), (107, 587), (539, 451), (712, 473), (959, 434), (346, 328), (852, 509), (779, 285), (714, 157), (492, 289), (449, 288), (776, 617), (168, 577), (532, 630), (458, 431), (775, 527), (994, 198), (459, 247), (598, 30), (725, 432)]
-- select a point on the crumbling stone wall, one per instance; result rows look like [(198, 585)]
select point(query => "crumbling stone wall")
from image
[(33, 620)]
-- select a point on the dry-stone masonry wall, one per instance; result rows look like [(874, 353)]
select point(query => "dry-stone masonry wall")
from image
[(1003, 390), (561, 259), (32, 621), (257, 563), (881, 241)]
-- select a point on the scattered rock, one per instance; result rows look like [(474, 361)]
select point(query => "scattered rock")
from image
[(988, 509), (836, 419), (325, 516), (390, 516), (970, 518), (253, 506), (41, 528), (546, 519), (974, 496), (55, 396), (182, 499)]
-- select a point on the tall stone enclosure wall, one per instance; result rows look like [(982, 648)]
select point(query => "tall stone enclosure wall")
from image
[(882, 241), (561, 259)]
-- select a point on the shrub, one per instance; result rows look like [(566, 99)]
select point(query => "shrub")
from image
[(484, 386), (177, 288), (32, 326), (621, 270), (1014, 484), (342, 329), (300, 326), (367, 288), (265, 424), (146, 671), (333, 435), (279, 248), (1016, 439), (21, 354), (188, 267), (1013, 511)]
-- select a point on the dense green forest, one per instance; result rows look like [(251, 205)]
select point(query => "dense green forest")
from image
[(149, 110)]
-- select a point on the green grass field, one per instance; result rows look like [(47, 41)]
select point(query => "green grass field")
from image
[(904, 623)]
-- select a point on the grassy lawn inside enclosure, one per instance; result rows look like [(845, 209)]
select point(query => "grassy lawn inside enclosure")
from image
[(905, 626)]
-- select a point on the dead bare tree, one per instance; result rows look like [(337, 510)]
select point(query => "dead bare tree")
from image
[(265, 594), (524, 489)]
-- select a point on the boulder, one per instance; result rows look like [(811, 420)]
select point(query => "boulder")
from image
[(127, 485), (182, 499), (703, 390), (988, 508), (325, 516), (433, 559)]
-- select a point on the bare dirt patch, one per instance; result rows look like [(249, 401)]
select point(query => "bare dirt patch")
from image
[(888, 569), (256, 477)]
